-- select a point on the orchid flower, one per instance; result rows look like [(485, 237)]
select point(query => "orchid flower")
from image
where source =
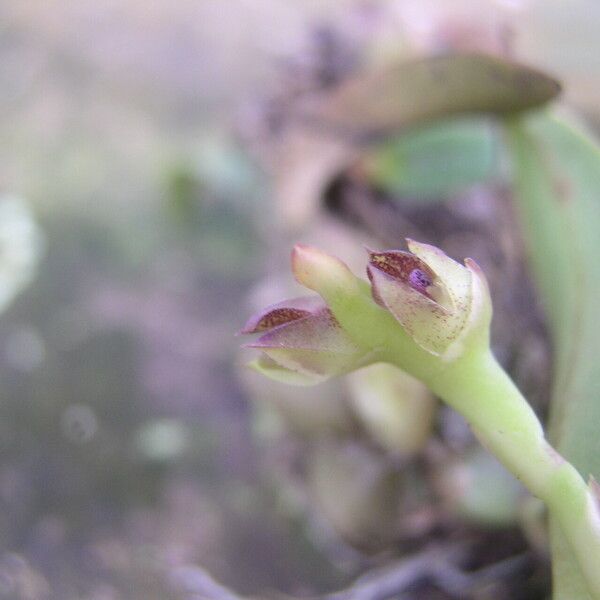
[(303, 343), (436, 300), (430, 316)]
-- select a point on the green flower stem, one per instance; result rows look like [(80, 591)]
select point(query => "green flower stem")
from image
[(478, 388)]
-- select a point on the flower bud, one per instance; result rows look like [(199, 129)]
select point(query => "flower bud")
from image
[(437, 301), (303, 343), (440, 304), (321, 272)]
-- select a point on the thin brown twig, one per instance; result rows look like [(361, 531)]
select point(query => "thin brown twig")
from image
[(436, 565), (388, 582), (199, 584)]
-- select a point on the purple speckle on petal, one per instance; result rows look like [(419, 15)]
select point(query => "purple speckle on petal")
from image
[(419, 280)]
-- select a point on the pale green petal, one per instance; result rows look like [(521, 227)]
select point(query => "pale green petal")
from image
[(269, 368)]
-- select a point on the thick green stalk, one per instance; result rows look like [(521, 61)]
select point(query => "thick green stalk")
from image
[(473, 383), (478, 388)]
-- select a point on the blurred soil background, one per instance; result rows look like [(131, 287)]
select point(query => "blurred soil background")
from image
[(141, 136)]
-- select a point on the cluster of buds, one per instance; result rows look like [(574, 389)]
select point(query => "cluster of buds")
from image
[(442, 306), (430, 316)]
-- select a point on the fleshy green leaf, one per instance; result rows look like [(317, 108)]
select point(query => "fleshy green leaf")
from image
[(557, 171), (434, 161), (379, 103)]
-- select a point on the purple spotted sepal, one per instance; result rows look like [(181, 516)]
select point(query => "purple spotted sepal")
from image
[(438, 302), (302, 343)]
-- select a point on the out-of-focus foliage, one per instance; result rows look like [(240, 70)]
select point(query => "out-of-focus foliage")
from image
[(482, 490), (435, 161), (331, 130), (381, 101), (396, 409), (357, 492), (557, 174)]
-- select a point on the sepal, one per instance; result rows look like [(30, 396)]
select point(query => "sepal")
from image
[(438, 301), (302, 337)]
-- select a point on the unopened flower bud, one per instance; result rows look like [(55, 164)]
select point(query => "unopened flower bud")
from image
[(436, 300), (321, 272), (303, 343)]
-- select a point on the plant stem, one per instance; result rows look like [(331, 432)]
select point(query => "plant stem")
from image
[(478, 388)]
